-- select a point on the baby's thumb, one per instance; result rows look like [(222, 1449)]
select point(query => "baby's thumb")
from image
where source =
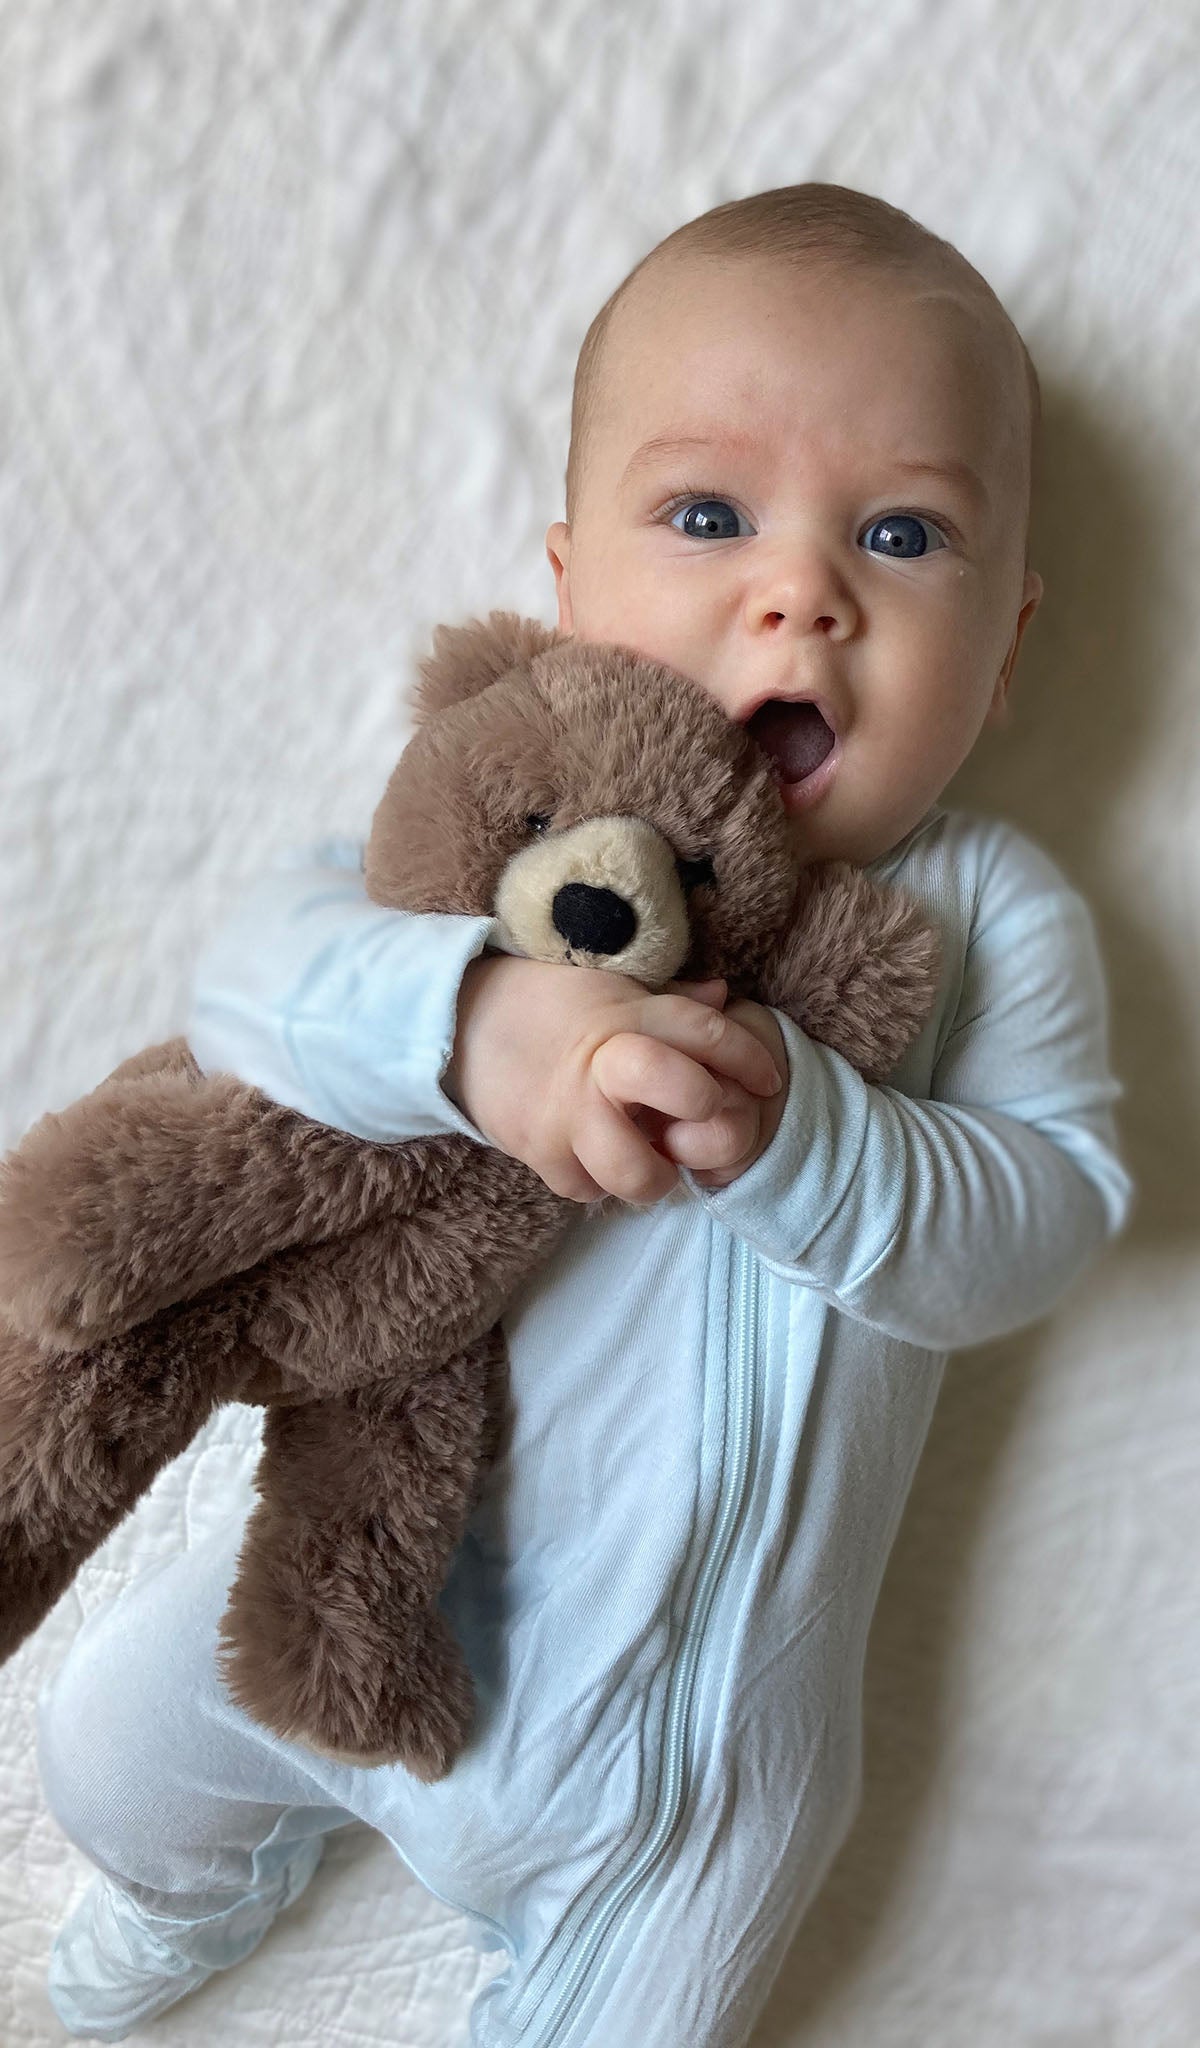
[(711, 992)]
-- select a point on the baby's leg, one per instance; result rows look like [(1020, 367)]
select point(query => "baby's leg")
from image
[(203, 1825)]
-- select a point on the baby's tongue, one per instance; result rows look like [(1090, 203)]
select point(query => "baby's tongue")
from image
[(795, 735)]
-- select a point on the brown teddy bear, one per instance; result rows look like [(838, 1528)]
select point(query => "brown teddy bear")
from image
[(174, 1241)]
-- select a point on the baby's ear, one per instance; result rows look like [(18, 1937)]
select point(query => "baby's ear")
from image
[(467, 659)]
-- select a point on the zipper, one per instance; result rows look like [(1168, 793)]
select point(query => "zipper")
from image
[(584, 1931)]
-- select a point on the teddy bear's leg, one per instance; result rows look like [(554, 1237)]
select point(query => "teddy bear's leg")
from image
[(857, 968), (333, 1636), (82, 1435), (164, 1181), (405, 1293)]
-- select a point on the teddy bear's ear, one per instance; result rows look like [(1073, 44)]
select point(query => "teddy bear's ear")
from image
[(467, 659)]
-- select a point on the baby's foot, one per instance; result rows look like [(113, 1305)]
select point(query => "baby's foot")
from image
[(97, 1988), (114, 1966)]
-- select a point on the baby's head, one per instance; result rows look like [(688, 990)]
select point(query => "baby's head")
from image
[(801, 445)]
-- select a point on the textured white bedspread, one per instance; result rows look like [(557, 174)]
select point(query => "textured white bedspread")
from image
[(289, 303)]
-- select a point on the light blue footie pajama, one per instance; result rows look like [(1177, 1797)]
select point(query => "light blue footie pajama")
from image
[(665, 1592)]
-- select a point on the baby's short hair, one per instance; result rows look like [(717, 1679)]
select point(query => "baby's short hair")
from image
[(810, 224)]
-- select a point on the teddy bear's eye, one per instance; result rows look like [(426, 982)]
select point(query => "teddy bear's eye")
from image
[(696, 874), (538, 821)]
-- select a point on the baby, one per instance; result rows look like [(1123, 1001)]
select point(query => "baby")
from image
[(799, 472)]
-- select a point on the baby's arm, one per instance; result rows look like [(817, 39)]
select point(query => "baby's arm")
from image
[(958, 1218), (391, 1026), (332, 1006)]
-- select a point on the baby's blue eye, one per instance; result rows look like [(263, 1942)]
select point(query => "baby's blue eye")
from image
[(711, 519), (903, 535)]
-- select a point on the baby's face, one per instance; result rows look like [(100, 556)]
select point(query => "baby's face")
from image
[(846, 525)]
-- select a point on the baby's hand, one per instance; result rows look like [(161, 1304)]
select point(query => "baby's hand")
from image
[(720, 1149), (565, 1068)]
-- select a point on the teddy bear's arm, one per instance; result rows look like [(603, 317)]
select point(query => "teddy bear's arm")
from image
[(857, 968), (162, 1182)]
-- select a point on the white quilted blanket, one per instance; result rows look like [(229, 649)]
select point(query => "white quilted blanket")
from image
[(289, 303)]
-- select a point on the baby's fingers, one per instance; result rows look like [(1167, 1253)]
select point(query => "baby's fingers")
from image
[(620, 1159), (632, 1070), (717, 1041), (719, 1146)]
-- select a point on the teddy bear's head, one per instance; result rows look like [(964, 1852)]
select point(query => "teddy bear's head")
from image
[(599, 805)]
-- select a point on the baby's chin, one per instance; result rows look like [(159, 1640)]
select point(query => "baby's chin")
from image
[(821, 835)]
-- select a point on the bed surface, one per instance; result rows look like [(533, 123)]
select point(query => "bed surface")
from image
[(289, 306)]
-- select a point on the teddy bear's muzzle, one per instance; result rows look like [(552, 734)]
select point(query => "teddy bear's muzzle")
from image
[(603, 893)]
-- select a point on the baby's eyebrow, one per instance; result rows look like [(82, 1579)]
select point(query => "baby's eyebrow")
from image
[(667, 447), (951, 472)]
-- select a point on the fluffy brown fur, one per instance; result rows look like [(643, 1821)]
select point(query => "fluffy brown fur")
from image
[(175, 1241)]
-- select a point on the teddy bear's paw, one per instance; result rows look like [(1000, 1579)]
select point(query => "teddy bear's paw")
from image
[(858, 970), (70, 1249), (143, 1194), (361, 1759), (423, 1713), (58, 1498), (43, 1277), (394, 1697), (32, 1578)]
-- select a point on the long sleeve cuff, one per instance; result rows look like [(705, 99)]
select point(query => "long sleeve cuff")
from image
[(941, 1224), (335, 1006)]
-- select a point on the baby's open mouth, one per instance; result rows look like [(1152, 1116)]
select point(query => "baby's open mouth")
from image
[(795, 735)]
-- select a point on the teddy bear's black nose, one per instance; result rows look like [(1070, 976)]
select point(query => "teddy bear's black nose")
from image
[(593, 920)]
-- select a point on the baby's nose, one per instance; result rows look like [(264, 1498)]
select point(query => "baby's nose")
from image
[(825, 622), (803, 589), (593, 920)]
